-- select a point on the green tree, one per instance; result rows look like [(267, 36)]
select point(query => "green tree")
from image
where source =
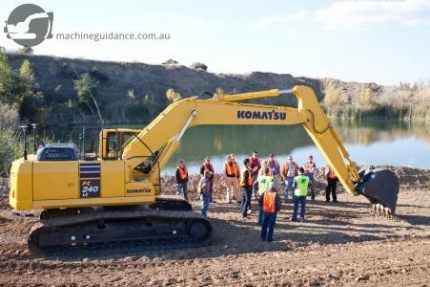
[(198, 65), (33, 108), (86, 89), (10, 87), (170, 62), (32, 104), (26, 73), (173, 96)]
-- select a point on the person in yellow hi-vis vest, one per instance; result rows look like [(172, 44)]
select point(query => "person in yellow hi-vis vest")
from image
[(300, 187)]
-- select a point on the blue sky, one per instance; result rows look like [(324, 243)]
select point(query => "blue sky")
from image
[(366, 41)]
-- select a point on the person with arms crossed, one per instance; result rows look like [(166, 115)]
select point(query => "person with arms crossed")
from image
[(288, 172), (310, 168)]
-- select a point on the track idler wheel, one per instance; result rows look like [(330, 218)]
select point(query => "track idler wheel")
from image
[(199, 230)]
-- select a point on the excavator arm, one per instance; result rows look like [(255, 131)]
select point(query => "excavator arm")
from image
[(379, 186)]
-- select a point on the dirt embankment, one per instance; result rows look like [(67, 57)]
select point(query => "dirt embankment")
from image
[(122, 83), (338, 245)]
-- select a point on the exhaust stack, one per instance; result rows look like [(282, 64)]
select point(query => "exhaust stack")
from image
[(24, 129)]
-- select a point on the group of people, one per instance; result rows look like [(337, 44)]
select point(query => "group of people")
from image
[(260, 180)]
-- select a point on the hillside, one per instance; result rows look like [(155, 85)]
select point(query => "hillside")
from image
[(122, 84), (117, 79)]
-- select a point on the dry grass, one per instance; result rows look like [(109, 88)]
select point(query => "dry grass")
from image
[(8, 115)]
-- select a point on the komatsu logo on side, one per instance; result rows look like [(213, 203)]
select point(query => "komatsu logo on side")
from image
[(142, 190), (273, 115)]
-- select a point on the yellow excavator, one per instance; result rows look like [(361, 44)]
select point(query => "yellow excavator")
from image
[(112, 198)]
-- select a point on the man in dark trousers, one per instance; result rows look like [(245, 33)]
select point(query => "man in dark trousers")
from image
[(331, 178), (206, 165), (181, 176), (205, 191), (271, 204), (246, 181)]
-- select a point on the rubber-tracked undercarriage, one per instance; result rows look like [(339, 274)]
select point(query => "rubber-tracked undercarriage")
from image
[(166, 223)]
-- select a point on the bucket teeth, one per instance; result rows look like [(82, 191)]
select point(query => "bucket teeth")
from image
[(379, 209), (373, 211), (387, 213)]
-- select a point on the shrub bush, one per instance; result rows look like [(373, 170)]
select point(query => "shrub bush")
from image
[(199, 66), (11, 149), (170, 62)]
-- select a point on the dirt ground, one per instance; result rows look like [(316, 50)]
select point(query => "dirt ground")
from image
[(340, 244)]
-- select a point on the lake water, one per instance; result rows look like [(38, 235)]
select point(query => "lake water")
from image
[(376, 143)]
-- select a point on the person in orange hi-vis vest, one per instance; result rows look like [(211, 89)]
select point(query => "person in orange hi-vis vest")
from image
[(271, 204), (229, 175), (246, 181), (181, 177), (236, 195)]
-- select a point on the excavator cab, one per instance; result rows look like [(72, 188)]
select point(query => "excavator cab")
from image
[(112, 141)]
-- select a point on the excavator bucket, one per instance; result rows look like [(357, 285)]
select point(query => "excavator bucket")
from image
[(379, 186)]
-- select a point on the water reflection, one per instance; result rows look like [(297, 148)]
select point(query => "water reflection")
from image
[(376, 142), (368, 142)]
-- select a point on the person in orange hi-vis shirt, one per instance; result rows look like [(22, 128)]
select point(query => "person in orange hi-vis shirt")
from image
[(271, 204), (229, 175), (181, 177)]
